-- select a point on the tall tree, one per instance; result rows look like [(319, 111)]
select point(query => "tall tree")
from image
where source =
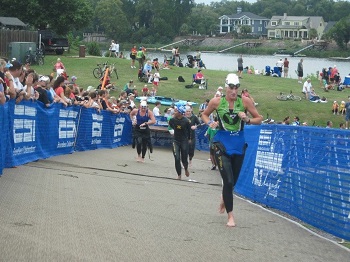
[(340, 33), (61, 16), (113, 19)]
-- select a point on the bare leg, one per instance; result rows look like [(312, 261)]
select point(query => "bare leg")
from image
[(139, 158), (231, 221), (179, 177), (222, 206)]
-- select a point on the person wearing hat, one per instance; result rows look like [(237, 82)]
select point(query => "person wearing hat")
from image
[(229, 144), (131, 98), (142, 117), (41, 89), (182, 138)]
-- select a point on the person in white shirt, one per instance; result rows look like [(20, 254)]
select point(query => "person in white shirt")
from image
[(156, 110), (279, 64), (307, 88)]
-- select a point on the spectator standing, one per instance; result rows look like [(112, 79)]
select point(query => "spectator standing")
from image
[(117, 49), (240, 66), (133, 56), (140, 58), (177, 56), (112, 49), (285, 67), (156, 78), (279, 64), (156, 109), (59, 67), (347, 113), (329, 124), (41, 89), (296, 121), (300, 70)]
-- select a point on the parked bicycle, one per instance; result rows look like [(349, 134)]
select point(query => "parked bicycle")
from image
[(290, 96), (99, 71), (36, 58)]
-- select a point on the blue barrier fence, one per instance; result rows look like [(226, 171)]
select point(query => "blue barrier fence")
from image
[(303, 171)]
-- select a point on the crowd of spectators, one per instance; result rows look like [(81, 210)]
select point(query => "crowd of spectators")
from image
[(22, 83)]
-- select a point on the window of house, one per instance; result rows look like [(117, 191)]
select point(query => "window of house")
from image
[(286, 23), (252, 22), (259, 29), (273, 23)]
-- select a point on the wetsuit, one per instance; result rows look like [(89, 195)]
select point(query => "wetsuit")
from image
[(142, 134), (192, 145), (182, 133), (229, 164)]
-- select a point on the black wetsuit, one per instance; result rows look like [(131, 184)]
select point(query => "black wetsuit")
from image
[(142, 134), (182, 133)]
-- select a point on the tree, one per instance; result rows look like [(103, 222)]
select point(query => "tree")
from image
[(340, 33), (113, 19), (61, 16)]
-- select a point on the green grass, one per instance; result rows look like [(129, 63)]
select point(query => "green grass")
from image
[(264, 89)]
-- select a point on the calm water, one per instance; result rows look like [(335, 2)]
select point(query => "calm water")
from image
[(228, 62)]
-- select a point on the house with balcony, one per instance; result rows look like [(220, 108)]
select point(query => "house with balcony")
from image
[(295, 27), (233, 23)]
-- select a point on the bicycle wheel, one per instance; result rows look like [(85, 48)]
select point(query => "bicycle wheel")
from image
[(282, 97), (97, 72), (116, 73), (296, 98), (40, 60)]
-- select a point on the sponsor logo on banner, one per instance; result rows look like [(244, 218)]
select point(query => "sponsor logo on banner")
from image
[(118, 129), (66, 128), (96, 129), (24, 130)]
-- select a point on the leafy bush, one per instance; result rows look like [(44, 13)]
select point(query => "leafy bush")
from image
[(93, 48)]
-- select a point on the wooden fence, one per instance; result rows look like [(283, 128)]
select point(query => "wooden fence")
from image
[(8, 36)]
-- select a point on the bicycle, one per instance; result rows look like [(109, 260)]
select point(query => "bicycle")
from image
[(112, 69), (283, 97), (36, 58), (100, 71)]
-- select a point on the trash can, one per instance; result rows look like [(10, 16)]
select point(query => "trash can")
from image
[(82, 51)]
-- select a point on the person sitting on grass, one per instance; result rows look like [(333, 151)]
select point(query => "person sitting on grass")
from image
[(313, 97)]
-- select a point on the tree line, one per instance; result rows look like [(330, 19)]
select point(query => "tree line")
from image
[(159, 21)]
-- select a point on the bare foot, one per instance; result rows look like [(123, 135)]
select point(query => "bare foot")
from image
[(231, 221), (187, 173), (222, 207), (139, 159), (179, 177), (142, 160)]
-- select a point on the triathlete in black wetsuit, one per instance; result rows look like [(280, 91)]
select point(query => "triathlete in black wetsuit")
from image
[(142, 117), (182, 134), (229, 144)]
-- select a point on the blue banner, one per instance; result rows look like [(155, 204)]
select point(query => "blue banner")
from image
[(303, 171)]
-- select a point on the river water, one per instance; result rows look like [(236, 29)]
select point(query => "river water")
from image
[(228, 62)]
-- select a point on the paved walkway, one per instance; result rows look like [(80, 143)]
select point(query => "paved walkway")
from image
[(103, 206)]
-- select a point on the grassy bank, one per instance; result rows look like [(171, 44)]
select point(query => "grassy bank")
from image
[(264, 89)]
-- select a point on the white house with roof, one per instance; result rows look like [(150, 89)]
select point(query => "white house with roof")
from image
[(233, 23), (295, 26)]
